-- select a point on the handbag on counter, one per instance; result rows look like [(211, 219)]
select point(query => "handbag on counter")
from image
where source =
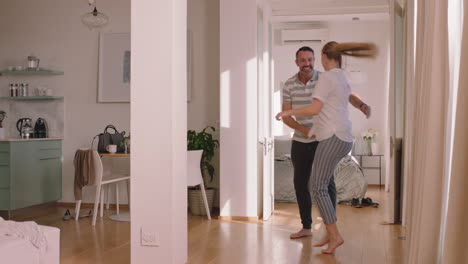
[(106, 138)]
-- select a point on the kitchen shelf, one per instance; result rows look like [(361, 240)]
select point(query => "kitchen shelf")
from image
[(31, 72), (32, 97)]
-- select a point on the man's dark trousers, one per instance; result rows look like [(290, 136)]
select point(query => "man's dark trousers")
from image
[(302, 156)]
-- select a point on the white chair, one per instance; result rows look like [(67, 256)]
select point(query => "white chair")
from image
[(104, 177), (194, 176)]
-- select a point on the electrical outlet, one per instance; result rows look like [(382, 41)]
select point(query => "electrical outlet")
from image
[(149, 237)]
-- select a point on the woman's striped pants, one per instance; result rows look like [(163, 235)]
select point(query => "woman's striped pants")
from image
[(329, 152)]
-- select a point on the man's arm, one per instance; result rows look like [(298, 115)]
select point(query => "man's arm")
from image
[(308, 110), (290, 122), (356, 101)]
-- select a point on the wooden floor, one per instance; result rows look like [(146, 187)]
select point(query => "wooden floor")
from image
[(366, 239)]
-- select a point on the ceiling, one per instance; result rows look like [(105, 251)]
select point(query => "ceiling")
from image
[(327, 7)]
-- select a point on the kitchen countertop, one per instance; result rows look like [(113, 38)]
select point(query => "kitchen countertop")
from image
[(29, 139)]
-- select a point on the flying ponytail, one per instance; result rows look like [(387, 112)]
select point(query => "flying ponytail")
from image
[(334, 50)]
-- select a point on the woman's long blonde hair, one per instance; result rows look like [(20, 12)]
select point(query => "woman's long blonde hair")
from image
[(334, 50)]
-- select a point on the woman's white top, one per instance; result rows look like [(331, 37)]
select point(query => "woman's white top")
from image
[(333, 91)]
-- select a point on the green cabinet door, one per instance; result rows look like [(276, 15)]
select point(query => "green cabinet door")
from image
[(50, 173), (50, 169), (4, 175), (35, 174), (23, 175)]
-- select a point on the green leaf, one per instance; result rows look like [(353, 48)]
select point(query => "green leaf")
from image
[(204, 141)]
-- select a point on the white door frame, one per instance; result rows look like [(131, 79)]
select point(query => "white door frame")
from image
[(265, 95)]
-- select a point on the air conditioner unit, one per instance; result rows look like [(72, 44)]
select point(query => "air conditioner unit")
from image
[(304, 35)]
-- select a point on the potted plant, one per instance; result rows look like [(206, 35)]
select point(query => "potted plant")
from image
[(202, 141), (125, 143)]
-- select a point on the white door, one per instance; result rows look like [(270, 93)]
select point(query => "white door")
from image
[(265, 114), (395, 111)]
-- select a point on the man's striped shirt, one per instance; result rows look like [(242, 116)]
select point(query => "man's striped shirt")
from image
[(299, 95)]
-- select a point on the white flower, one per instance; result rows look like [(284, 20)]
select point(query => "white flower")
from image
[(370, 134)]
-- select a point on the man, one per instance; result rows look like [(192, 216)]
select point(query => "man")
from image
[(297, 92)]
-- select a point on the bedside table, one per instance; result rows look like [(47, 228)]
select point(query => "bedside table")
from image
[(379, 167)]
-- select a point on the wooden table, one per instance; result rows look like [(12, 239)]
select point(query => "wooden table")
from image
[(114, 154)]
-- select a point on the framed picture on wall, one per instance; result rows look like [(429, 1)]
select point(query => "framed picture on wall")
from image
[(114, 68)]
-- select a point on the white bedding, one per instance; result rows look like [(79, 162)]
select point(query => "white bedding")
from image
[(349, 180), (29, 243), (284, 181)]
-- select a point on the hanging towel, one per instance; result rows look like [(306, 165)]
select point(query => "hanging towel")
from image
[(84, 171)]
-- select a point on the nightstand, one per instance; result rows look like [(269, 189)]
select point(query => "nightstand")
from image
[(373, 164)]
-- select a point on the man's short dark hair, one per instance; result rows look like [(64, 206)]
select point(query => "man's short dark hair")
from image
[(305, 48)]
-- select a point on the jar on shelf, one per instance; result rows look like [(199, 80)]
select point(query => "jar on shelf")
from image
[(15, 90), (11, 90), (25, 89), (21, 89)]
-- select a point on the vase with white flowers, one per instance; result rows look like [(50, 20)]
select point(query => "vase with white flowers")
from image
[(369, 136)]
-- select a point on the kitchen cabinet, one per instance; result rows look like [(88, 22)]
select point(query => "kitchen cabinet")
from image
[(30, 173)]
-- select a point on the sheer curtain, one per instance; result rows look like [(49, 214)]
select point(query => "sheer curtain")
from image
[(437, 159), (427, 163), (455, 233)]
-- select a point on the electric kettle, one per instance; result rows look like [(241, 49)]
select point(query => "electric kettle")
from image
[(24, 126), (33, 63)]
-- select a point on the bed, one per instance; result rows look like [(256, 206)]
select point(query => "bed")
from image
[(14, 249), (349, 179)]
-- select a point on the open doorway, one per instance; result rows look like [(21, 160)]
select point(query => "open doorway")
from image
[(370, 79)]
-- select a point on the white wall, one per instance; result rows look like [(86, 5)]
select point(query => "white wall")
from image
[(238, 68), (203, 107), (373, 89), (52, 30), (159, 122)]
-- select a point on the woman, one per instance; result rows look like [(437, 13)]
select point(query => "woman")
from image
[(332, 128)]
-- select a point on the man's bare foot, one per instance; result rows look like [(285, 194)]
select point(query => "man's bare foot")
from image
[(302, 233), (333, 244)]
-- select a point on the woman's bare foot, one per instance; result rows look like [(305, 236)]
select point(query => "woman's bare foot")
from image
[(323, 242), (302, 233), (333, 244)]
